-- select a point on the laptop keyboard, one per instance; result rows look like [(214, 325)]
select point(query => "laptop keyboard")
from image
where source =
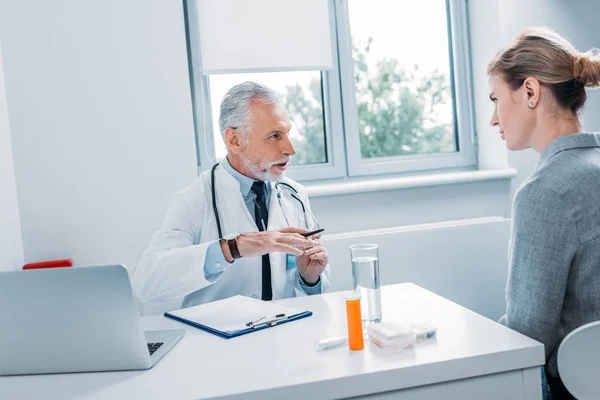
[(152, 347)]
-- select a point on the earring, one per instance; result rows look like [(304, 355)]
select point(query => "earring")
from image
[(530, 104)]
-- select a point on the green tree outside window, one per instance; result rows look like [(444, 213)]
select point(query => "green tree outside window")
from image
[(397, 111)]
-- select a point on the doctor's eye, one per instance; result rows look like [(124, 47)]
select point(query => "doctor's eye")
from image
[(276, 136)]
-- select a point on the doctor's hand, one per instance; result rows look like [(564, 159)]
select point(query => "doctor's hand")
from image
[(258, 243), (312, 261)]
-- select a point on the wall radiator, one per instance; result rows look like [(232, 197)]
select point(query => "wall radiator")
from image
[(464, 261)]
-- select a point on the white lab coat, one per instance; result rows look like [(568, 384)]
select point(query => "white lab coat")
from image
[(171, 271)]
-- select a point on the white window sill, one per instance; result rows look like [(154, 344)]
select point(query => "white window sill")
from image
[(407, 182)]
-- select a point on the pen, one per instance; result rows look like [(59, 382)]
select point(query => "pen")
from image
[(307, 234), (267, 321)]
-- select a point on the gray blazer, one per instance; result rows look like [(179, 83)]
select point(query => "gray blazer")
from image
[(554, 253)]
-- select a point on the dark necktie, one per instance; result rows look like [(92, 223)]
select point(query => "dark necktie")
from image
[(261, 216)]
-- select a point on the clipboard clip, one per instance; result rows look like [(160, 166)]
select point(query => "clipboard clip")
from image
[(270, 321)]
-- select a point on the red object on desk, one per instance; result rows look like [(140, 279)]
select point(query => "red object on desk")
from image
[(49, 264)]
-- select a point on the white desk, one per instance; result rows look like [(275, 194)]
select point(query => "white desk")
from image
[(471, 358)]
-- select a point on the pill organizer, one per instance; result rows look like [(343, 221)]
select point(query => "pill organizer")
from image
[(423, 331), (391, 336)]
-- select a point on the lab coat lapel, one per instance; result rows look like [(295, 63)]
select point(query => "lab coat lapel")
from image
[(229, 197)]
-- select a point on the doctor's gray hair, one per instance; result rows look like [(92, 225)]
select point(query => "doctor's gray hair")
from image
[(235, 107)]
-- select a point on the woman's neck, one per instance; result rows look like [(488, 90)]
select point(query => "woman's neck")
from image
[(551, 128)]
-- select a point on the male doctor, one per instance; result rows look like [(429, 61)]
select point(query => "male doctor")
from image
[(241, 235)]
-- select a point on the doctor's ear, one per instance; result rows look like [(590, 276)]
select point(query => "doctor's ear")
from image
[(233, 140)]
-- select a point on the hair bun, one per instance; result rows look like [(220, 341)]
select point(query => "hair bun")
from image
[(586, 68)]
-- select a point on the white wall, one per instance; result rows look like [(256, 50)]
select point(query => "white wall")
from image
[(102, 131), (412, 206), (101, 120), (11, 246)]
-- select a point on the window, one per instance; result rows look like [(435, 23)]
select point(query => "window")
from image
[(405, 67), (397, 99), (402, 87)]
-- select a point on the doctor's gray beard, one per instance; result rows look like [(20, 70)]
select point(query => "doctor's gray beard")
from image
[(263, 173)]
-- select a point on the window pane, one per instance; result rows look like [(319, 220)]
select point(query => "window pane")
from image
[(402, 76), (302, 96)]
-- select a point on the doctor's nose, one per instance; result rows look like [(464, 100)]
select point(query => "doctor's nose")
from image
[(288, 148)]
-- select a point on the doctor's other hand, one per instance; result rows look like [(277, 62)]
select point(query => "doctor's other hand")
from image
[(258, 243), (312, 261)]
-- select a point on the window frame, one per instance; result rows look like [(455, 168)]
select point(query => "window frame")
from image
[(334, 167), (340, 112), (461, 84)]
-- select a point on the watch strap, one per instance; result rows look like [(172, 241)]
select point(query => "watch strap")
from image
[(233, 248)]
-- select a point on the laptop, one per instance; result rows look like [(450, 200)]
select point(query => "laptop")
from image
[(79, 319)]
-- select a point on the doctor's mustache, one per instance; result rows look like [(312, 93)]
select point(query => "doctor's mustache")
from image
[(282, 161)]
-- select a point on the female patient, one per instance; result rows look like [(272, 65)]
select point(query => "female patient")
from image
[(537, 85)]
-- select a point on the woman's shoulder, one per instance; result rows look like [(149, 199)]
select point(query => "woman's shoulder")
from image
[(535, 190), (565, 175)]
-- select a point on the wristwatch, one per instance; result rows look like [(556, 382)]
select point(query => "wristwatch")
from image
[(231, 240)]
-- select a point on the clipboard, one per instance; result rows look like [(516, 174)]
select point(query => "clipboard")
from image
[(237, 316)]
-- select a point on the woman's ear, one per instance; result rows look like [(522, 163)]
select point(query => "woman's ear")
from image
[(532, 91), (233, 140)]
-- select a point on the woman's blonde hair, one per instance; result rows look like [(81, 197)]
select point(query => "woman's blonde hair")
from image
[(543, 54)]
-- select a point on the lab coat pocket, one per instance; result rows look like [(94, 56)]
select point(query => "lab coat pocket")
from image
[(291, 261)]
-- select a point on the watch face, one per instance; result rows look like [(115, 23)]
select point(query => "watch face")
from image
[(230, 236)]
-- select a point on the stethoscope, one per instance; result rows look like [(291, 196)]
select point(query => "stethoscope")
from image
[(278, 185)]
